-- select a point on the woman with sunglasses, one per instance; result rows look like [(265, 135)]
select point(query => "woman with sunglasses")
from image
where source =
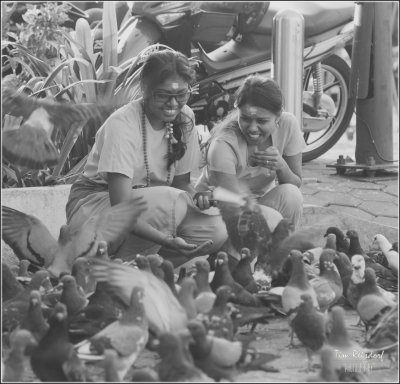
[(258, 147), (149, 148)]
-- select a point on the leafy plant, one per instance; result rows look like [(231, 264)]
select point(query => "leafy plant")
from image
[(81, 76)]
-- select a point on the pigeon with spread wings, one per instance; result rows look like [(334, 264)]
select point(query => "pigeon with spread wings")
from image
[(32, 144), (30, 239)]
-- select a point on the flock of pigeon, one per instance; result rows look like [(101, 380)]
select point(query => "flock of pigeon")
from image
[(69, 304)]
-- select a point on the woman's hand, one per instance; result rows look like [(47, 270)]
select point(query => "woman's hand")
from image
[(204, 200), (188, 250), (270, 158)]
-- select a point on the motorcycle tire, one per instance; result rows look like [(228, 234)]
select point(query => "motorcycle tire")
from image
[(320, 142)]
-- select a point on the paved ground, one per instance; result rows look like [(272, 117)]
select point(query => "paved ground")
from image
[(374, 199)]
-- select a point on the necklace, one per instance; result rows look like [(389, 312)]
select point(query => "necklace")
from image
[(146, 159)]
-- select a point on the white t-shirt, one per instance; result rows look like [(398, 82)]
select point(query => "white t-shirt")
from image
[(228, 153), (118, 148)]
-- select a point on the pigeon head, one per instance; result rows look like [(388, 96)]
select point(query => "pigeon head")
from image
[(35, 298), (222, 258), (202, 265), (23, 340), (336, 231), (331, 241), (307, 300), (352, 234)]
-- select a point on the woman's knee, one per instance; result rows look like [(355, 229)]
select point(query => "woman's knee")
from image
[(291, 194)]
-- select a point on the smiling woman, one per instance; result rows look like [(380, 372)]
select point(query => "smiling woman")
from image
[(260, 146), (148, 148)]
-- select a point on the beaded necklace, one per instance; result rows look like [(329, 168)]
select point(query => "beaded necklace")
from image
[(146, 159)]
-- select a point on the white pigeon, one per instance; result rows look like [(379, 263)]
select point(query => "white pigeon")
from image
[(386, 247)]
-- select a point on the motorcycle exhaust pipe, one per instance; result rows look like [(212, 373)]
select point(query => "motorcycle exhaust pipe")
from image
[(287, 59)]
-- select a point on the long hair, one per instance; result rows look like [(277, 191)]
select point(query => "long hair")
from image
[(159, 66)]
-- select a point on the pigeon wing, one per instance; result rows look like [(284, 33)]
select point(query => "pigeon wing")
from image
[(28, 237)]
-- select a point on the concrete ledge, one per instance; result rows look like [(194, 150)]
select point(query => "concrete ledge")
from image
[(45, 203)]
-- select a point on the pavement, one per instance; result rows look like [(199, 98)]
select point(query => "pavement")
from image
[(353, 200)]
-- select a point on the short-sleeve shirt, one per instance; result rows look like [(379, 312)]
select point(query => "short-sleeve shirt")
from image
[(228, 153), (119, 148)]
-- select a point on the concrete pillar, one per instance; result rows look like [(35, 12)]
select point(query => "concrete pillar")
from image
[(372, 59), (287, 59)]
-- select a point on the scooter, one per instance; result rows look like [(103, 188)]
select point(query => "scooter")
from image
[(232, 40)]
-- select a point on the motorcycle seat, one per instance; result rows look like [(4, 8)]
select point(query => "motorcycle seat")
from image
[(318, 16)]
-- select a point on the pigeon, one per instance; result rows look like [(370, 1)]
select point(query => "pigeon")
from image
[(201, 275), (342, 245), (354, 245), (15, 309), (81, 272), (156, 261), (372, 303), (392, 256), (55, 359), (30, 239), (23, 270), (346, 350), (169, 276), (22, 343), (162, 308), (385, 276), (204, 296), (309, 327), (330, 241), (175, 365), (354, 284), (245, 222), (127, 336), (245, 315), (243, 274), (34, 320), (32, 145), (385, 334), (225, 354), (281, 232), (223, 276), (186, 297), (201, 348), (298, 285), (218, 321), (328, 285), (298, 240), (10, 286), (73, 297), (343, 264), (328, 372)]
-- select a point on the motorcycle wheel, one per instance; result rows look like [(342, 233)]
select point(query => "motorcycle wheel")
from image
[(336, 81)]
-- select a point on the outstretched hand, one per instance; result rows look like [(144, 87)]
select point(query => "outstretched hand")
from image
[(189, 250)]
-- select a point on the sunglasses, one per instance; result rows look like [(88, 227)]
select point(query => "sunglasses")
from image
[(164, 97)]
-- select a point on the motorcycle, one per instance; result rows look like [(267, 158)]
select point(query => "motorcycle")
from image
[(232, 40)]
